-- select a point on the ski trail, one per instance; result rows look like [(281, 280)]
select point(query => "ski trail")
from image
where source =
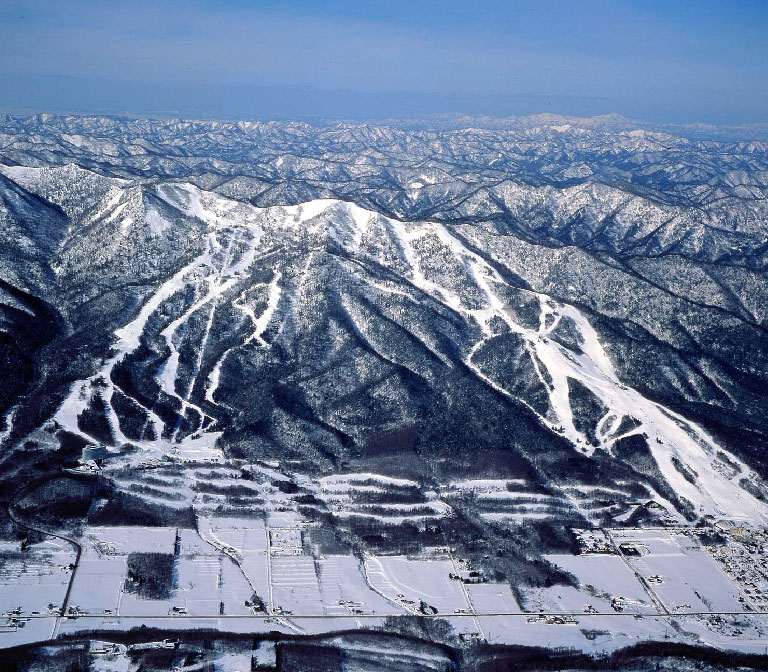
[(673, 441), (185, 402), (225, 278), (8, 419), (128, 340), (226, 219), (215, 377), (670, 436), (260, 324), (168, 374)]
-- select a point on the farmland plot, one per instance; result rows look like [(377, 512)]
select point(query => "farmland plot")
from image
[(680, 571), (36, 577), (246, 541), (344, 590), (606, 583), (295, 587), (416, 584), (98, 585)]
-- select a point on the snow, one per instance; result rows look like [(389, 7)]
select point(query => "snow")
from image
[(486, 484), (261, 322), (669, 435), (214, 378), (608, 575), (212, 568), (343, 586), (295, 585), (351, 479), (714, 494), (524, 497), (232, 558), (157, 223), (125, 225), (691, 580), (130, 539), (265, 654), (98, 584), (25, 176), (212, 273), (310, 209), (36, 579), (7, 424), (416, 579)]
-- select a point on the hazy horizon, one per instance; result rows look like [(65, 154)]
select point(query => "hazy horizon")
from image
[(344, 60)]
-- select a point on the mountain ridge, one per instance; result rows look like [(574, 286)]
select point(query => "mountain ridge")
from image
[(343, 229)]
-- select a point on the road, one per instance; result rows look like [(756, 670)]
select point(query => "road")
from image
[(17, 496), (481, 614)]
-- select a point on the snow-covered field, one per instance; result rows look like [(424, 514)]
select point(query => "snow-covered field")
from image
[(406, 582), (660, 576), (683, 575), (603, 579), (35, 578)]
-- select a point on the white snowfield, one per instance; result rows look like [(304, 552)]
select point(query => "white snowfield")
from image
[(349, 481)]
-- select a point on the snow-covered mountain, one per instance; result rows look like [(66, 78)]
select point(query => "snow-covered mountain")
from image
[(580, 308)]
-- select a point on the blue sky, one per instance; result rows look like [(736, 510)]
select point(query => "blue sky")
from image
[(678, 61)]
